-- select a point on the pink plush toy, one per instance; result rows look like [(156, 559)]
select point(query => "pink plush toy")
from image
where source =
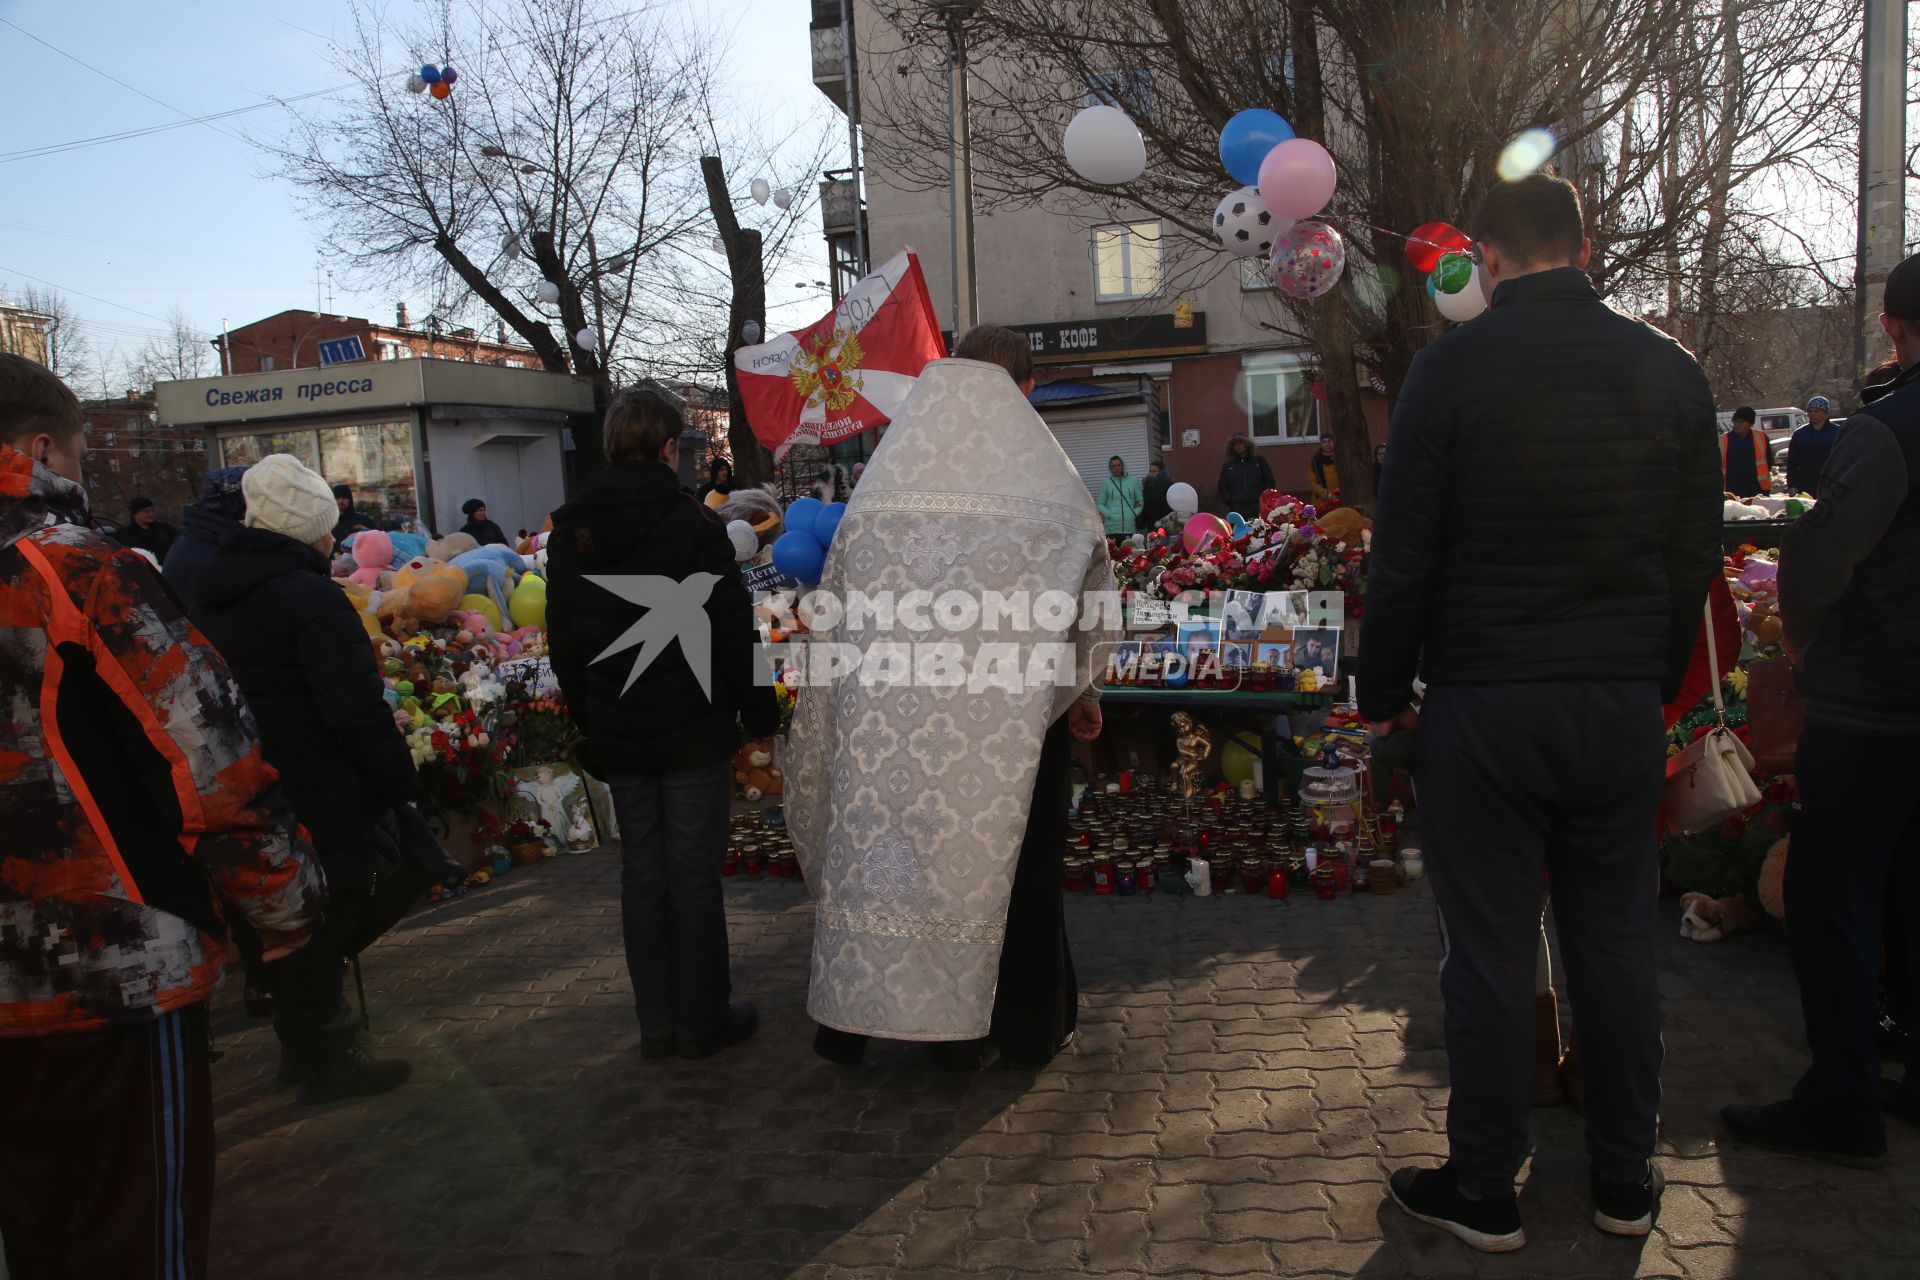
[(373, 552)]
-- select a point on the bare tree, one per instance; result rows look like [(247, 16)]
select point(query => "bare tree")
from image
[(1693, 128), (70, 352), (180, 351), (567, 152)]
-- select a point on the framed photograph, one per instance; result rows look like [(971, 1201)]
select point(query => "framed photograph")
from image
[(556, 795), (1234, 654), (1274, 653), (1284, 610), (1243, 615), (1317, 651), (1198, 640)]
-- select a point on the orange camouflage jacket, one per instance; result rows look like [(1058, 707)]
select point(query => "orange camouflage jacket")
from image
[(133, 795)]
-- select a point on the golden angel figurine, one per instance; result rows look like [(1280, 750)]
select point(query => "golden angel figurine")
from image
[(1194, 746)]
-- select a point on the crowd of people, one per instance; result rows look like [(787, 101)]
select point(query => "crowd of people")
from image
[(206, 752)]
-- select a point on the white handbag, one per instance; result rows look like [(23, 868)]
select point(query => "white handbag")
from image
[(1712, 779)]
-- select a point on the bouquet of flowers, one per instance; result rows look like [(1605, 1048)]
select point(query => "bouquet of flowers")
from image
[(461, 766)]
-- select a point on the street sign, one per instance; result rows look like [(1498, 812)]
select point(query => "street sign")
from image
[(342, 350)]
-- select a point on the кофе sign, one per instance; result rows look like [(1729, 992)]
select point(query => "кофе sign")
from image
[(1118, 338)]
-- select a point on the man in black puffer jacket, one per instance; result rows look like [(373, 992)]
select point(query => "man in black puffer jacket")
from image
[(1548, 523), (1852, 618), (652, 639), (299, 654), (203, 526)]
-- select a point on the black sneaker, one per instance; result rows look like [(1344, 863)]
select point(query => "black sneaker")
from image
[(259, 1003), (1785, 1126), (1627, 1208), (1491, 1224), (742, 1022), (962, 1055), (1898, 1103), (352, 1073)]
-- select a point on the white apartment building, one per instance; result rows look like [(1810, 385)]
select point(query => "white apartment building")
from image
[(1135, 357)]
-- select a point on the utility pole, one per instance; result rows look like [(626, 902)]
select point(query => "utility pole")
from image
[(1883, 157), (752, 464), (966, 300)]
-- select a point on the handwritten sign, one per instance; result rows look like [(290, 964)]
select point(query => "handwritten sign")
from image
[(764, 577)]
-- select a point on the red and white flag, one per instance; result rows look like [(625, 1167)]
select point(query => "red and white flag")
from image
[(849, 371)]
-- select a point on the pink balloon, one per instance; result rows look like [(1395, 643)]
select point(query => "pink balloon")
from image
[(1297, 179), (1203, 530)]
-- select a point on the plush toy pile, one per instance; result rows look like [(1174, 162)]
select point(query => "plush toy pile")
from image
[(458, 629), (1289, 547)]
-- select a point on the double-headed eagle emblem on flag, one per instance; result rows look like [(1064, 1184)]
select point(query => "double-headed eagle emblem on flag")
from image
[(828, 374)]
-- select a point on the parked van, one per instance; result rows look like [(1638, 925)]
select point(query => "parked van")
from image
[(1779, 424)]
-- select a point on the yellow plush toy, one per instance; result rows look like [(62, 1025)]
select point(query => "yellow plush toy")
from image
[(427, 592)]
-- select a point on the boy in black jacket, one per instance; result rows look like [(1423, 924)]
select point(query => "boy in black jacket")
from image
[(652, 638)]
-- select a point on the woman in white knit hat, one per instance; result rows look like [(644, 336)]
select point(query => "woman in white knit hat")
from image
[(295, 643)]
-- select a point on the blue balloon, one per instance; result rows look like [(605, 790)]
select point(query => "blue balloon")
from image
[(796, 554), (801, 515), (1237, 523), (1246, 139), (826, 522), (430, 73)]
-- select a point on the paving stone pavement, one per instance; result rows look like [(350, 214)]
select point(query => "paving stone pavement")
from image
[(1246, 1073)]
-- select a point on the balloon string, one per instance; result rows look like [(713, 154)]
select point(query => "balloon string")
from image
[(1410, 239)]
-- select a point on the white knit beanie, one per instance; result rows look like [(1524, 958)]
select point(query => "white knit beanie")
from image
[(285, 497)]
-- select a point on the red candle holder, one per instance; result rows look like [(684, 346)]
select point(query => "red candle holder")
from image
[(1277, 886)]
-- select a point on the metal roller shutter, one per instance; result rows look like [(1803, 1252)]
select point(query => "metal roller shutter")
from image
[(1089, 442)]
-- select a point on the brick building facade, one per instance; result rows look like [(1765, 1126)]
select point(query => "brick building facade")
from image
[(130, 454), (292, 340)]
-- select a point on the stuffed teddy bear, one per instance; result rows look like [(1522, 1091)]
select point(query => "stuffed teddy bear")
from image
[(761, 511), (450, 548), (754, 774), (1344, 524), (373, 552), (1704, 919), (424, 592)]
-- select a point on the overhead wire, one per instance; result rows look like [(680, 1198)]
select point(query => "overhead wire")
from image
[(105, 75)]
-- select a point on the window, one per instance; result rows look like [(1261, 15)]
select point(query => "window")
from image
[(1126, 261), (244, 451), (377, 460), (1256, 273), (1280, 406), (268, 364)]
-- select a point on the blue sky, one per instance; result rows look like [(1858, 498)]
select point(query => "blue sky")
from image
[(129, 229)]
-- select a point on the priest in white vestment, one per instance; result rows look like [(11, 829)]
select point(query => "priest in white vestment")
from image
[(930, 816)]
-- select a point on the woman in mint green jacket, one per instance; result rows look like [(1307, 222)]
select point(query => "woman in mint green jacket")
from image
[(1119, 500)]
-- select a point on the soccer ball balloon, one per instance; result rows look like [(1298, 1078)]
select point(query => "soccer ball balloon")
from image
[(1243, 224)]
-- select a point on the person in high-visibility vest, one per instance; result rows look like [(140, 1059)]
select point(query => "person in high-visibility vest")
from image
[(1746, 456)]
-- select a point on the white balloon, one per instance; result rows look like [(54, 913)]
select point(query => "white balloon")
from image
[(1183, 499), (415, 84), (783, 198), (512, 247), (761, 191), (746, 543), (587, 339), (1465, 305), (547, 291), (719, 244), (1104, 145), (1244, 226), (750, 332)]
